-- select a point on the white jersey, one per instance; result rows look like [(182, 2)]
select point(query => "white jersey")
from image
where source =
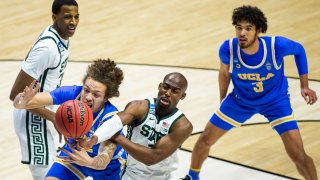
[(46, 62), (147, 133)]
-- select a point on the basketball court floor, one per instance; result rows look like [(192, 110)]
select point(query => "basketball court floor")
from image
[(149, 39)]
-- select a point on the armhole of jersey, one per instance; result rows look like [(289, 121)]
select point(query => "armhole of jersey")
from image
[(273, 40), (48, 37), (174, 122), (231, 56)]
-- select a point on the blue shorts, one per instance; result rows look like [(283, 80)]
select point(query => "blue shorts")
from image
[(233, 113), (70, 171)]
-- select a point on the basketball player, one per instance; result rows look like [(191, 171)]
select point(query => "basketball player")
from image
[(45, 62), (100, 83), (156, 129), (255, 65)]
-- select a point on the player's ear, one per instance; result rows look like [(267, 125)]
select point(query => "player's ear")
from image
[(54, 17), (159, 87), (183, 96), (105, 99)]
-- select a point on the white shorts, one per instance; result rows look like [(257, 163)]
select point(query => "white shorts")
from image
[(38, 139), (131, 176)]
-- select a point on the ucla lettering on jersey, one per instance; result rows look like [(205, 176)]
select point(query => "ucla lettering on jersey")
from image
[(257, 83)]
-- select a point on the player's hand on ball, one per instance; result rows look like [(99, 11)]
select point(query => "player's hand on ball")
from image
[(88, 143)]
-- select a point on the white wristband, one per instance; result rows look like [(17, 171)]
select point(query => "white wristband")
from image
[(108, 129)]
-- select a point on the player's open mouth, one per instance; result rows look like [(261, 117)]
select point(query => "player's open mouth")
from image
[(242, 40), (164, 101), (90, 105), (71, 29)]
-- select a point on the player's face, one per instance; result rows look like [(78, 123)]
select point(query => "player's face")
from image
[(93, 94), (170, 92), (66, 21), (247, 34)]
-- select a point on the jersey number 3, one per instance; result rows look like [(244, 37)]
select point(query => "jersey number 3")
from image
[(258, 87)]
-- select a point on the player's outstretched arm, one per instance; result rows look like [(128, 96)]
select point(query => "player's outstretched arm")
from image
[(80, 156), (164, 147), (31, 99), (133, 111)]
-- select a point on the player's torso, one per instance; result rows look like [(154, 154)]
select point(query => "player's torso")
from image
[(52, 76), (147, 133), (261, 82)]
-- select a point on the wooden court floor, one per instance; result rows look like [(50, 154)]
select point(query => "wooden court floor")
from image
[(159, 37)]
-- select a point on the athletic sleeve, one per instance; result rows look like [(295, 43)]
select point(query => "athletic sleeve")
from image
[(65, 93), (40, 57), (224, 52), (285, 47)]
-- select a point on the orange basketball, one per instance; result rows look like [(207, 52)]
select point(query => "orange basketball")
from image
[(74, 119)]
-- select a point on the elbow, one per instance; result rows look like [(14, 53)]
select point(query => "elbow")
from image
[(152, 161), (12, 96)]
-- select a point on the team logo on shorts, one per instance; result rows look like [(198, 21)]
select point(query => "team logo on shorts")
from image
[(238, 66)]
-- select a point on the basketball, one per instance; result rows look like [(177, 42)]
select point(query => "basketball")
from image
[(73, 119)]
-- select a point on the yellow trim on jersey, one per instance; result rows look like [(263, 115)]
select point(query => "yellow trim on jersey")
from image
[(71, 168), (109, 114), (282, 120), (273, 40), (263, 59), (122, 162), (97, 117), (231, 56), (227, 119)]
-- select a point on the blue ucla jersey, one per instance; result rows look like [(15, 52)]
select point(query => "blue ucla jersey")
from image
[(259, 78), (113, 169)]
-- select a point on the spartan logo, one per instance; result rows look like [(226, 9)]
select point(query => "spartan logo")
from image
[(69, 114), (82, 113)]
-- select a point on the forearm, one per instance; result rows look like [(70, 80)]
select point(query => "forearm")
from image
[(104, 157), (40, 100), (304, 81), (224, 81), (141, 153), (108, 129), (45, 113)]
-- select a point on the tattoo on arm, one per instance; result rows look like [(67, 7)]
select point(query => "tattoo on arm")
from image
[(105, 155)]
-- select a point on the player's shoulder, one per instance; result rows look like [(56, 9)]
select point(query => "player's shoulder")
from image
[(138, 106), (183, 123), (276, 38), (47, 44), (110, 107), (225, 45)]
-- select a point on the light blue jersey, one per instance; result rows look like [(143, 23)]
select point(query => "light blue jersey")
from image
[(260, 85), (63, 170)]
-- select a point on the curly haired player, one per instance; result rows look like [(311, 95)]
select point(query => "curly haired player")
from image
[(256, 67), (100, 83)]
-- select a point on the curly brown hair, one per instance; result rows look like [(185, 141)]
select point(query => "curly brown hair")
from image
[(252, 15), (105, 72)]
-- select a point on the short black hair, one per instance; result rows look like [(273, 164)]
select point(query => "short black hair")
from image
[(56, 5), (251, 14)]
